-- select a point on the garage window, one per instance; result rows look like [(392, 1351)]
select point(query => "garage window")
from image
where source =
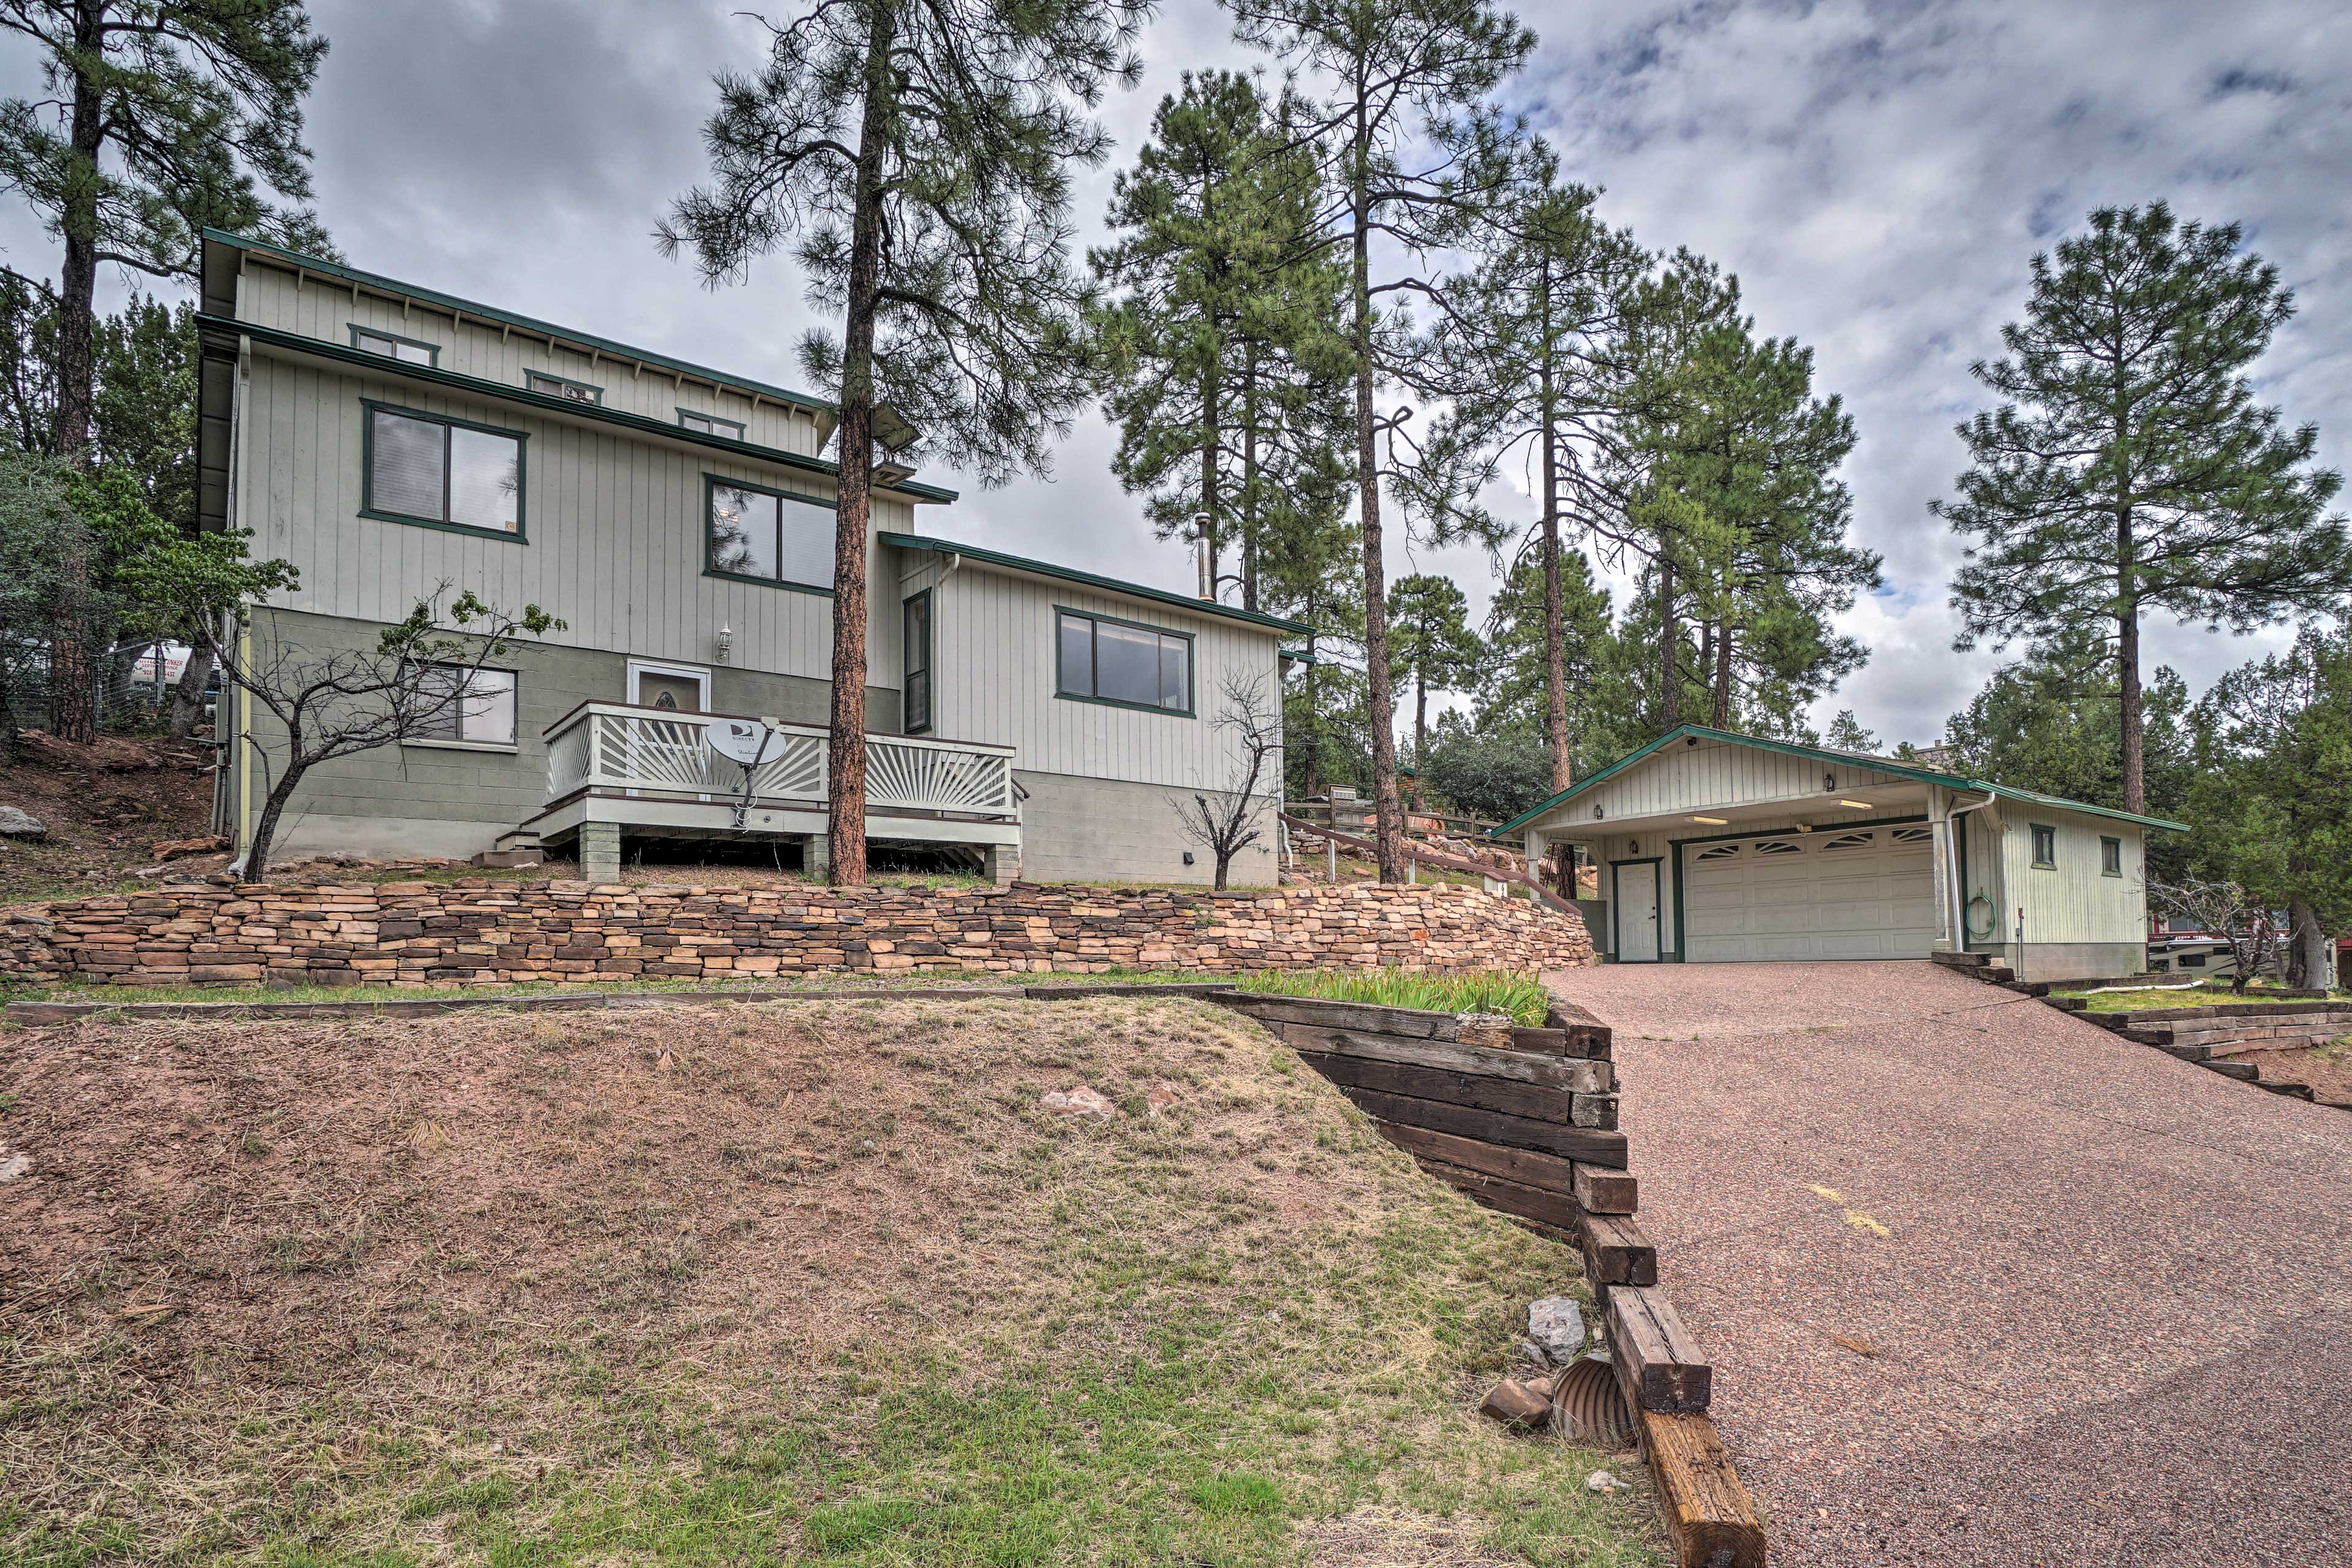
[(2111, 856), (1720, 852), (2045, 847), (1914, 836), (1852, 841), (1779, 847)]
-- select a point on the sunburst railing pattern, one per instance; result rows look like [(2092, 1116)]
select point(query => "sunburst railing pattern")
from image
[(614, 746)]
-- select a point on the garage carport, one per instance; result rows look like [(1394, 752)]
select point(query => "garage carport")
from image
[(1719, 847)]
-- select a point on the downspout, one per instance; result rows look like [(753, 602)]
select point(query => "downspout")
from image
[(1960, 893)]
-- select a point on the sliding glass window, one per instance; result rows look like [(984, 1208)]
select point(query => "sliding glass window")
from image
[(1134, 665), (442, 472)]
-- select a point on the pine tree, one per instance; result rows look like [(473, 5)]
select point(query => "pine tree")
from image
[(1600, 720), (1528, 343), (2128, 469), (2272, 798), (162, 117), (1396, 78), (917, 159), (1432, 647)]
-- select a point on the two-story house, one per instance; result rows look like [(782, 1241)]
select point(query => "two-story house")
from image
[(393, 442)]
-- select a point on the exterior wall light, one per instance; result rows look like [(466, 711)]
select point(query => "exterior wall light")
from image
[(725, 641)]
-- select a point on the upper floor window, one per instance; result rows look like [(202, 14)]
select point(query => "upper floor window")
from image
[(428, 469), (915, 628), (768, 536), (710, 425), (562, 387), (1102, 660), (482, 714), (392, 345)]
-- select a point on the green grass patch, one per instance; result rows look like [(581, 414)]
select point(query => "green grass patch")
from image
[(2150, 999), (1519, 994)]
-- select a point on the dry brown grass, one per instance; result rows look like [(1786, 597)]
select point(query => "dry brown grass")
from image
[(816, 1280)]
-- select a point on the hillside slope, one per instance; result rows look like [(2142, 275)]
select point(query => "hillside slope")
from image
[(799, 1281)]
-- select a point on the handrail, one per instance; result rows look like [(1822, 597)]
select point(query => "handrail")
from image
[(599, 704), (1430, 857)]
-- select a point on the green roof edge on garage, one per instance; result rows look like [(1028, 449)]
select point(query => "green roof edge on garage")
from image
[(1849, 759), (1108, 584)]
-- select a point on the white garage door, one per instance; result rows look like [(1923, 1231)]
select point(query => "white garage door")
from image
[(1865, 892)]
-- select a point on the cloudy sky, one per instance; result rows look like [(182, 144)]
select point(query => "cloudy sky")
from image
[(1877, 174)]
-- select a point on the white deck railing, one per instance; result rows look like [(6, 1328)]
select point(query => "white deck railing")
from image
[(618, 746)]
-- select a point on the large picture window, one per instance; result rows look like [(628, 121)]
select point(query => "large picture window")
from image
[(767, 536), (483, 715), (444, 472), (1105, 660)]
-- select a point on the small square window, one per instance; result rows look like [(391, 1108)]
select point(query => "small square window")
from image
[(563, 386), (709, 425), (2045, 847), (2111, 856), (484, 715), (394, 346)]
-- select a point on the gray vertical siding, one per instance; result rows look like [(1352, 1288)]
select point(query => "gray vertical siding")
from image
[(323, 308)]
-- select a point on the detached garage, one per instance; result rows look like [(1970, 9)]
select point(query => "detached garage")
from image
[(1721, 848)]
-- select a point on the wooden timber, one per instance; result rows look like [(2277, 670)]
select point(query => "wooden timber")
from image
[(1658, 1364), (1580, 1077), (1710, 1516), (1616, 1252), (1527, 1099), (1529, 1169), (1593, 1040), (1555, 1212), (1599, 1190), (1591, 1146), (1413, 1023)]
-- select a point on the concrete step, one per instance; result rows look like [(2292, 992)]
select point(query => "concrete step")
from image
[(509, 857), (518, 838)]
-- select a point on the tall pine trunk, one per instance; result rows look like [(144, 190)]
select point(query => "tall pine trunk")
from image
[(1670, 691), (73, 676), (2134, 757), (1249, 476), (846, 761), (1420, 733), (1209, 474), (1723, 676), (1387, 813), (1554, 612)]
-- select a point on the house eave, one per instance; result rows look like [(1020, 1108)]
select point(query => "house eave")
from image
[(1047, 569)]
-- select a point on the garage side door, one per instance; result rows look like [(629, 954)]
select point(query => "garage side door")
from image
[(1859, 893)]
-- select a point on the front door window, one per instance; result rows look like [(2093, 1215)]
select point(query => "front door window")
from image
[(670, 693)]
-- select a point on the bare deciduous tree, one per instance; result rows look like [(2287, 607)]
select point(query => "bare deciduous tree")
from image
[(1225, 823), (422, 676), (2228, 910)]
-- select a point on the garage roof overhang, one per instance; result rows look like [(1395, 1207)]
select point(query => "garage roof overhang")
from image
[(1901, 789)]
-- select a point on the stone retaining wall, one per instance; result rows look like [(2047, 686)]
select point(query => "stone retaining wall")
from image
[(478, 932)]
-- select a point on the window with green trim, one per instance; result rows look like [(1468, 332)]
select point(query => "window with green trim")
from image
[(392, 345), (562, 387), (915, 625), (769, 536), (2111, 856), (2045, 847), (476, 709), (1100, 660), (425, 468), (709, 425)]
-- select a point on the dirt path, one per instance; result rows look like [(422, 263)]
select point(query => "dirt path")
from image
[(1984, 1284)]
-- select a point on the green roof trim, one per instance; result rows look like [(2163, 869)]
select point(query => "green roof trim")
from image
[(326, 268), (1108, 584), (474, 387), (1822, 754)]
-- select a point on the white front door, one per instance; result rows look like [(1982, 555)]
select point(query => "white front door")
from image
[(1636, 911)]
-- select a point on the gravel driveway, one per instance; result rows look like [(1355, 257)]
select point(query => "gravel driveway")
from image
[(1984, 1284)]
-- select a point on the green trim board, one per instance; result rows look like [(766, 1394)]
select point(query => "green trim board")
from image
[(1657, 915), (358, 330), (710, 568), (1192, 664), (337, 270), (1674, 848), (506, 392), (369, 407), (530, 375), (1088, 579), (1841, 759)]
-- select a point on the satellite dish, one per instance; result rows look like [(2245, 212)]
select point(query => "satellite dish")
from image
[(744, 741)]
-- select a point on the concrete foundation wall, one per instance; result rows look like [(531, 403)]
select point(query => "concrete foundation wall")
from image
[(2072, 959), (1096, 830), (421, 799)]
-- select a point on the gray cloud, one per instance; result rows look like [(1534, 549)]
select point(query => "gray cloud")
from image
[(1877, 174)]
